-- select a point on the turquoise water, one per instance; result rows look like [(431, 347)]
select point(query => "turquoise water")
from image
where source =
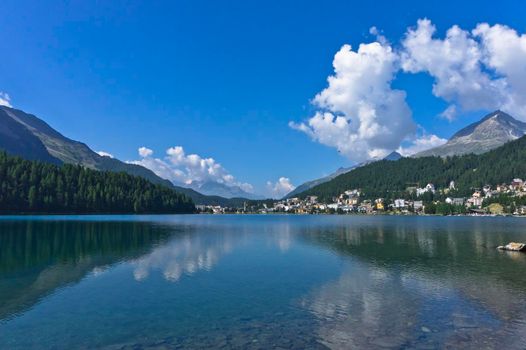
[(198, 281)]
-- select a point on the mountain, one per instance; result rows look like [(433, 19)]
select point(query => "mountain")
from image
[(60, 149), (393, 156), (31, 138), (390, 180), (15, 138), (492, 131), (213, 188)]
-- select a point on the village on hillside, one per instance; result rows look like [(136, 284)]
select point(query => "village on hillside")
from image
[(502, 199)]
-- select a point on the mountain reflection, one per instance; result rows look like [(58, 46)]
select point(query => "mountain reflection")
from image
[(38, 257)]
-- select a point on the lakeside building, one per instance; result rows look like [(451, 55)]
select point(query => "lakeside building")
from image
[(355, 201)]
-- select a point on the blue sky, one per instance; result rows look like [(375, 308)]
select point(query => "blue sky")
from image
[(222, 79)]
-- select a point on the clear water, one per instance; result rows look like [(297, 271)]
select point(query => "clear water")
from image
[(134, 282)]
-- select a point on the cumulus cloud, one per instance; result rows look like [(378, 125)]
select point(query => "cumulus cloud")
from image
[(359, 113), (187, 169), (5, 100), (455, 63), (105, 154), (280, 188), (504, 51), (480, 69), (363, 117)]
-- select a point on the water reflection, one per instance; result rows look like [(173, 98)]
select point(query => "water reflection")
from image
[(39, 257), (430, 284), (185, 254), (263, 281)]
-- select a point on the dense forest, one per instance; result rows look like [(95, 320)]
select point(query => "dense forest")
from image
[(390, 179), (36, 187)]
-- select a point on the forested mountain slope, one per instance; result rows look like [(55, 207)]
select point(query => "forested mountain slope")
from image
[(37, 187), (388, 179)]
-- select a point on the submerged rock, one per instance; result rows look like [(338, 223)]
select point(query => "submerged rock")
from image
[(513, 246)]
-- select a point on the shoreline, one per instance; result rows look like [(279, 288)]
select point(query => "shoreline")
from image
[(22, 215)]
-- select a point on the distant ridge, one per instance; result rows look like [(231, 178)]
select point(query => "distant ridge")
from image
[(393, 156), (213, 188)]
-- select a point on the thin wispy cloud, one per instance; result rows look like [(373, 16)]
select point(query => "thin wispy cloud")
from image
[(105, 154), (5, 100)]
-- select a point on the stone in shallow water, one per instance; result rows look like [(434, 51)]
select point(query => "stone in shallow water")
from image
[(513, 246), (425, 329)]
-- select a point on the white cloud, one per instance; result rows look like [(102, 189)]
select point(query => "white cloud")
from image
[(455, 64), (145, 152), (359, 113), (504, 51), (378, 35), (280, 188), (421, 143), (481, 69), (184, 169), (450, 113), (363, 117), (105, 154), (5, 100)]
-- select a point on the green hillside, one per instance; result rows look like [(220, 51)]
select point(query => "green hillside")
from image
[(389, 179)]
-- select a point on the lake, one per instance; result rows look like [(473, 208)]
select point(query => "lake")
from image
[(261, 282)]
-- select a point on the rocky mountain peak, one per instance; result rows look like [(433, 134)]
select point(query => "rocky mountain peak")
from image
[(492, 131)]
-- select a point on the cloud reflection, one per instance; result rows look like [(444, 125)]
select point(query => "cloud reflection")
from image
[(415, 286), (185, 255)]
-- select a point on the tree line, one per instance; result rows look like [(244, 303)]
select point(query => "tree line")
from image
[(36, 187)]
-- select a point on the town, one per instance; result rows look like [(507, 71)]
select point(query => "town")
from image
[(502, 199)]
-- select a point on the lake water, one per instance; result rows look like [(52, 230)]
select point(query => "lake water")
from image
[(199, 281)]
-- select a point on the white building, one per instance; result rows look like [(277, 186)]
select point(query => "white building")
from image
[(428, 188), (399, 203)]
